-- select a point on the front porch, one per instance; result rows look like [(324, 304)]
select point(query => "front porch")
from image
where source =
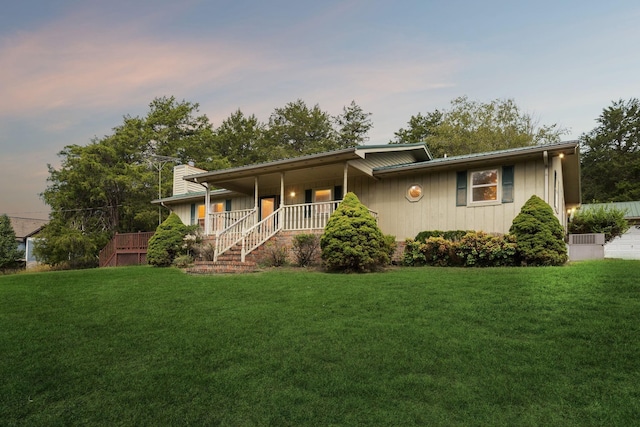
[(244, 231)]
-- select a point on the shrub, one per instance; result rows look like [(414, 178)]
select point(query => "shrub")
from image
[(167, 242), (600, 219), (275, 254), (305, 248), (440, 252), (390, 245), (183, 261), (479, 249), (452, 235), (539, 235), (352, 240)]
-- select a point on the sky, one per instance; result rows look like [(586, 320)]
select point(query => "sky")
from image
[(70, 70)]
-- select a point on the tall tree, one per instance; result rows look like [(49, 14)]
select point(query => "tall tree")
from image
[(9, 253), (353, 125), (419, 129), (238, 137), (472, 127), (611, 155), (106, 186), (297, 129)]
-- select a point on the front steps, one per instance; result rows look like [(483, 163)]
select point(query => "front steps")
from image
[(227, 263)]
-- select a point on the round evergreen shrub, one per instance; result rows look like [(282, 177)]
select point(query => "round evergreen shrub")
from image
[(167, 242), (539, 235), (352, 240)]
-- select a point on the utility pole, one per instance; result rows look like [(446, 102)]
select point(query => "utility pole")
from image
[(158, 162)]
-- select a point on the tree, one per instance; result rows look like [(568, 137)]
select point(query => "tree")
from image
[(238, 139), (610, 157), (352, 240), (296, 129), (9, 253), (419, 129), (473, 127), (539, 234), (167, 242), (106, 186), (353, 125), (599, 219)]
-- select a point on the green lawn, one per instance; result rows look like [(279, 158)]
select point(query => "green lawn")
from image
[(413, 346)]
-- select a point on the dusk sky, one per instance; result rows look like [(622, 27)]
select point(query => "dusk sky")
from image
[(71, 69)]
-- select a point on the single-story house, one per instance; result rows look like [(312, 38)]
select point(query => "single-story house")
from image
[(403, 186), (25, 230), (626, 246)]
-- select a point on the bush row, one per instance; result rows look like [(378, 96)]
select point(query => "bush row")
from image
[(473, 249)]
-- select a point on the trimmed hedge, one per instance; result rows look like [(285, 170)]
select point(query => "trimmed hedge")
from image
[(474, 249), (539, 234), (352, 240)]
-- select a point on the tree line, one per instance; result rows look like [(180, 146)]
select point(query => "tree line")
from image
[(106, 186)]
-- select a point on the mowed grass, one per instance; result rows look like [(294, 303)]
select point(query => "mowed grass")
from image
[(412, 346)]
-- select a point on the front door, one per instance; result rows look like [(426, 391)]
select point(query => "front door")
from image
[(268, 205)]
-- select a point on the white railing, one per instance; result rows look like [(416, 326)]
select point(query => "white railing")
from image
[(261, 232), (307, 216), (230, 236), (220, 221)]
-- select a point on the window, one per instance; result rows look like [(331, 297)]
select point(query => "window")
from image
[(484, 186)]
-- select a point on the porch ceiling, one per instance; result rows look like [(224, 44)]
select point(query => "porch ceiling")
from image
[(245, 184)]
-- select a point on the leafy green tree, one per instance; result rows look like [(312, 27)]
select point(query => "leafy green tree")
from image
[(611, 155), (106, 186), (238, 139), (539, 234), (167, 242), (420, 128), (473, 127), (353, 125), (9, 253), (599, 219), (296, 129), (352, 240), (68, 247)]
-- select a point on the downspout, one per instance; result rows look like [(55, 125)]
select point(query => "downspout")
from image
[(545, 156)]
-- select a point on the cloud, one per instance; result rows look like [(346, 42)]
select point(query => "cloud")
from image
[(59, 67)]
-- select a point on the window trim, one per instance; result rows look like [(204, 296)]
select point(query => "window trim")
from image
[(497, 200)]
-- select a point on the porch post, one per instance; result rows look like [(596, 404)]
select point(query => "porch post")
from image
[(281, 189), (344, 183), (255, 206), (207, 208)]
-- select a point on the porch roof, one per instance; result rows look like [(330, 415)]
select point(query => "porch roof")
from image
[(362, 160)]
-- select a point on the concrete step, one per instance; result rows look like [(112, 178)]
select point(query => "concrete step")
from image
[(222, 267)]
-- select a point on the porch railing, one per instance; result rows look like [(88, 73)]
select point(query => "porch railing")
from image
[(231, 235), (220, 221)]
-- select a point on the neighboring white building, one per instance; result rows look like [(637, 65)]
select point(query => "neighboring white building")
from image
[(626, 246)]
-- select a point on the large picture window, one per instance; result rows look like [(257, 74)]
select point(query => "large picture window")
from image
[(484, 186)]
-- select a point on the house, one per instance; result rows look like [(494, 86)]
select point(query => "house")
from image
[(403, 186), (626, 246), (26, 229)]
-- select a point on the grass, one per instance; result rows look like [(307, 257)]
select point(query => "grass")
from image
[(419, 346)]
